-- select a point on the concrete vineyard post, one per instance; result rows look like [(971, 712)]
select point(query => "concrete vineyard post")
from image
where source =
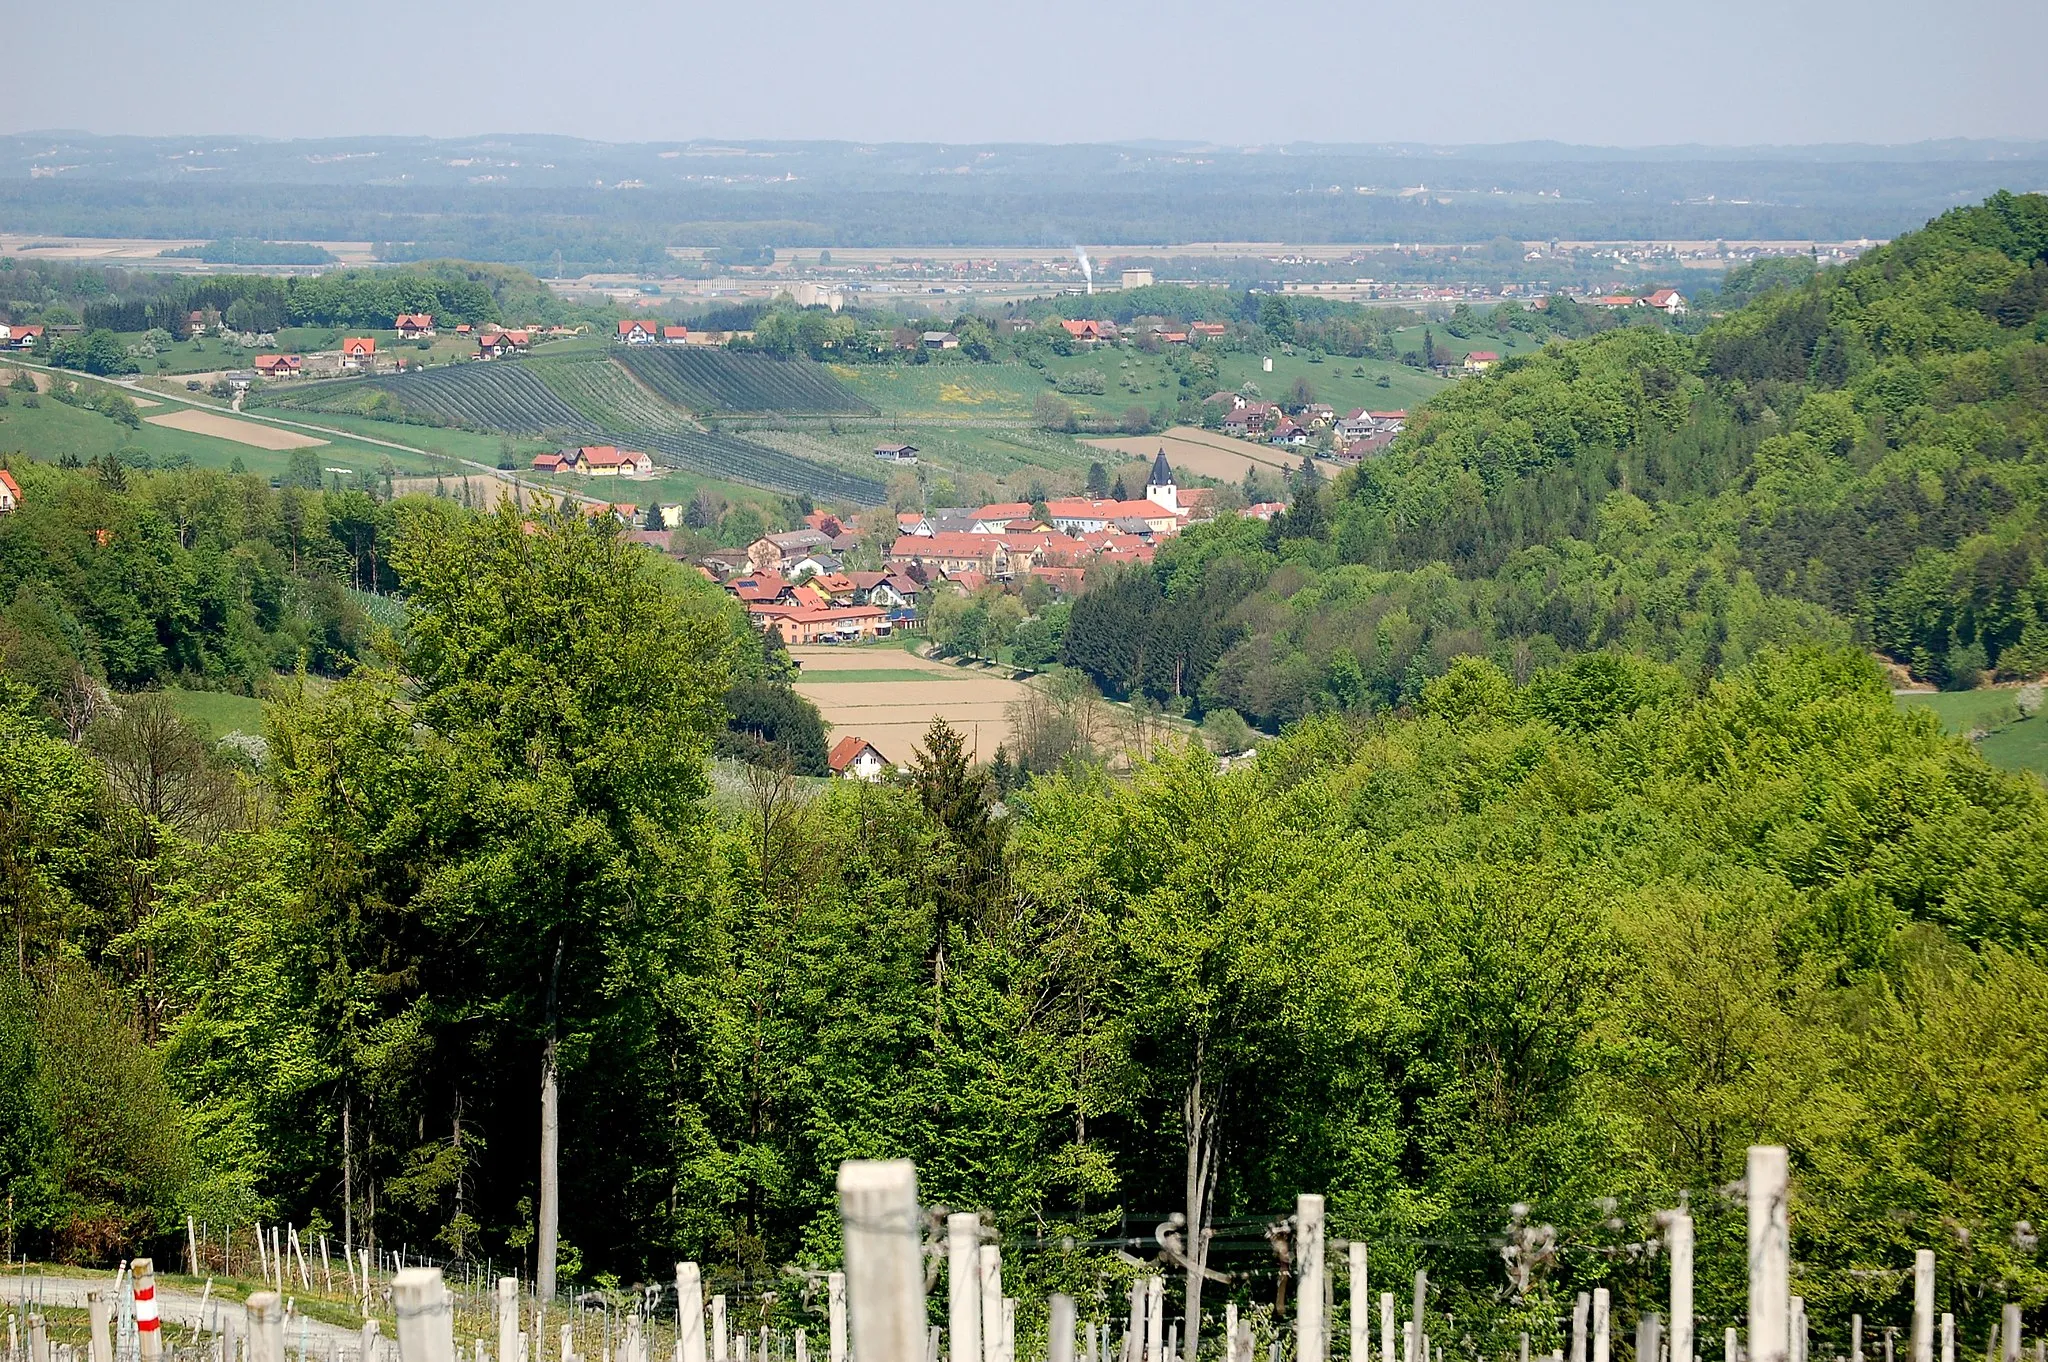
[(1230, 1331), (1731, 1345), (1418, 1336), (1770, 1248), (1386, 1326), (1059, 1342), (2009, 1333), (1361, 1305), (689, 1314), (1602, 1322), (1155, 1310), (1649, 1336), (1682, 1345), (1581, 1311), (884, 1260), (721, 1343), (266, 1327), (1948, 1338), (508, 1319), (963, 1287), (1008, 1350), (990, 1274), (99, 1316), (38, 1339), (1855, 1338), (369, 1344), (835, 1301), (426, 1325), (1923, 1306), (1134, 1332), (1309, 1328)]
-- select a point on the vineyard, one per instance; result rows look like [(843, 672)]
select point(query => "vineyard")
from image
[(500, 397), (708, 380), (585, 401), (606, 393)]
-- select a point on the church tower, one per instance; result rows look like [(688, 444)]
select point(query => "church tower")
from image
[(1159, 487)]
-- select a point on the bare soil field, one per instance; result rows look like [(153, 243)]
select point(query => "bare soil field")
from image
[(228, 428), (894, 714), (42, 381), (1202, 451)]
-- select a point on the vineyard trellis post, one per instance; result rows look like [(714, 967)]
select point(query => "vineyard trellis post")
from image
[(99, 1315), (1679, 1234), (884, 1260), (835, 1316), (1309, 1331), (426, 1325), (963, 1286), (1059, 1343), (1770, 1285), (266, 1327), (1361, 1310), (1923, 1305), (1603, 1323)]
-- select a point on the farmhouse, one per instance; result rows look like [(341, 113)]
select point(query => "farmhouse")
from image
[(1207, 330), (10, 492), (855, 758), (279, 366), (359, 352), (675, 335), (1479, 361), (20, 336), (1667, 301), (637, 331), (779, 552), (547, 463), (896, 453), (609, 461), (1090, 333), (415, 325)]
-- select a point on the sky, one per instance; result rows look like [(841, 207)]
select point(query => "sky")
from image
[(1602, 72)]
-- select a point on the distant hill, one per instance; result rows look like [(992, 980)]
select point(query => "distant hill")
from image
[(1858, 456)]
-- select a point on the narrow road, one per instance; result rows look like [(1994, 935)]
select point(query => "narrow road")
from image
[(180, 1308)]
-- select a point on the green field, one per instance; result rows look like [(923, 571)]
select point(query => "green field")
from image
[(50, 430), (950, 391), (218, 713), (2008, 740)]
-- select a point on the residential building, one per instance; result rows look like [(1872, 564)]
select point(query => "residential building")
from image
[(609, 461), (1090, 332), (1479, 361), (1084, 515), (637, 331), (547, 463), (280, 366), (854, 758), (414, 325), (10, 492), (823, 624), (915, 522), (896, 453), (239, 380), (1667, 301), (948, 551), (939, 340), (1207, 330), (675, 335), (20, 336), (778, 552), (359, 352)]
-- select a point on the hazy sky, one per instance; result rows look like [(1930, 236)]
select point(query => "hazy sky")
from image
[(1613, 72)]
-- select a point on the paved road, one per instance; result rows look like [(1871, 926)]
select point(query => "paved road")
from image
[(180, 1308)]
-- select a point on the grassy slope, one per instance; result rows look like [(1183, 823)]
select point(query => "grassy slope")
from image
[(217, 712), (51, 430), (2009, 741)]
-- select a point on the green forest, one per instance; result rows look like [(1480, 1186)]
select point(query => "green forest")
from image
[(1856, 457), (1594, 850)]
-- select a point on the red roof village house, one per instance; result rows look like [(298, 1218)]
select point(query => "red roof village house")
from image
[(10, 492), (1479, 361), (952, 552), (20, 336), (1667, 301), (414, 325), (492, 344), (609, 461), (279, 366), (547, 463), (1206, 330), (1089, 332), (359, 352), (675, 335), (637, 331), (855, 758)]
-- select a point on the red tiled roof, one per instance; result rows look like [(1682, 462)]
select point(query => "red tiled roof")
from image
[(7, 481), (1482, 356), (629, 325), (675, 332), (847, 751), (359, 345), (416, 319)]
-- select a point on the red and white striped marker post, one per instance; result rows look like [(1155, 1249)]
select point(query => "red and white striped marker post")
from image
[(148, 1322)]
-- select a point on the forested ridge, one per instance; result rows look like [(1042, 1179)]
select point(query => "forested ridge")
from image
[(1562, 926), (1858, 457)]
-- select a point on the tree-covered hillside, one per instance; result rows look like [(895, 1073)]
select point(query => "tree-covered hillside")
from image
[(1859, 456)]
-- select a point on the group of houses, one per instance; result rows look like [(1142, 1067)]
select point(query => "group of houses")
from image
[(1354, 434), (596, 461), (829, 607), (642, 331), (1668, 301)]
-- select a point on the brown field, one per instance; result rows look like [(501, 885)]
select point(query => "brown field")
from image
[(228, 428), (1202, 451), (893, 715), (42, 381), (485, 491)]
